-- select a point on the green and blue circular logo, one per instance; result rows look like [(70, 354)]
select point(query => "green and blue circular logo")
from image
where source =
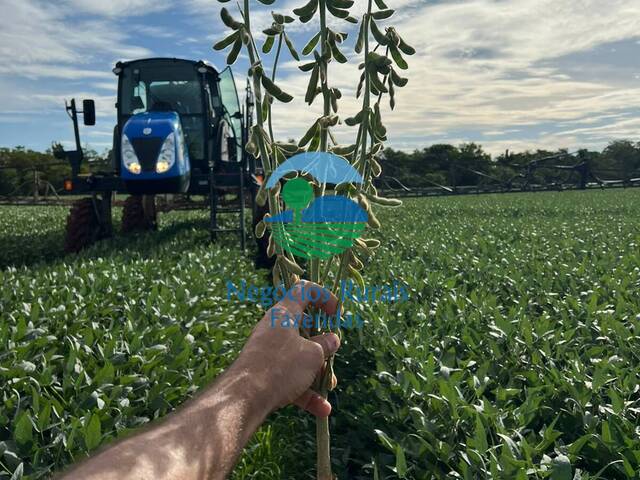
[(316, 227)]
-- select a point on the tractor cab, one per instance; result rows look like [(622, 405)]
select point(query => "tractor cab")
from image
[(177, 120), (179, 129)]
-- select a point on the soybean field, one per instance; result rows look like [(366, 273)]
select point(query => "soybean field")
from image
[(516, 355)]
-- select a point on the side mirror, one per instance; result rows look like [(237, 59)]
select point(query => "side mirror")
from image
[(89, 112)]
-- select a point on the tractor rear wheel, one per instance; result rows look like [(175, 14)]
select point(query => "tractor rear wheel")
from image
[(139, 213), (83, 225)]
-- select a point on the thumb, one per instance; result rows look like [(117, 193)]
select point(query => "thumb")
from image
[(329, 342)]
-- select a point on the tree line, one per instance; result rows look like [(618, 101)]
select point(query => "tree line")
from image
[(18, 167), (467, 164)]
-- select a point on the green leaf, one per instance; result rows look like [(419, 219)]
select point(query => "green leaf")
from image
[(561, 468), (376, 475), (401, 462), (23, 430), (92, 432), (385, 440), (105, 375), (18, 473), (480, 436), (44, 416)]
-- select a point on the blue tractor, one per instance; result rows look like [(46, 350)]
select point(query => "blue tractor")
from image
[(180, 130)]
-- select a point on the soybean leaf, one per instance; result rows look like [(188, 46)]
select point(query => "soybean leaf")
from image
[(23, 430), (92, 432), (401, 462)]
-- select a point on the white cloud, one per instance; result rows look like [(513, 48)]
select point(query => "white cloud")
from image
[(479, 68), (485, 69), (115, 8)]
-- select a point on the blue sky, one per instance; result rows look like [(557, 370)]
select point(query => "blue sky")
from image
[(517, 74)]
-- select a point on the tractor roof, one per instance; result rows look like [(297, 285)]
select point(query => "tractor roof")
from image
[(196, 63)]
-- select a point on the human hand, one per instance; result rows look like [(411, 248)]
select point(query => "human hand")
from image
[(284, 364)]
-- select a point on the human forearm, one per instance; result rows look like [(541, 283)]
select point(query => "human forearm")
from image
[(201, 440)]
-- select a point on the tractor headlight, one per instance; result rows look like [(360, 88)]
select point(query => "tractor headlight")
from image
[(167, 156), (129, 157)]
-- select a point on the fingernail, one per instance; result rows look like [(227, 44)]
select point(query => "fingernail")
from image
[(334, 341)]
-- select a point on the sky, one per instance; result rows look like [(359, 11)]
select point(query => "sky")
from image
[(508, 74)]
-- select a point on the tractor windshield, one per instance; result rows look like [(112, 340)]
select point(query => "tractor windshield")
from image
[(166, 87)]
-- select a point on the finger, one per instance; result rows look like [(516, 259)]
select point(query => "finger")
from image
[(329, 342), (314, 403), (304, 293)]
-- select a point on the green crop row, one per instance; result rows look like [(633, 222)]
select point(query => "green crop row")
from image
[(515, 357)]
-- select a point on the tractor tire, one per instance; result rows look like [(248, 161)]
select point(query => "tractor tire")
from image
[(135, 217), (262, 260), (83, 226)]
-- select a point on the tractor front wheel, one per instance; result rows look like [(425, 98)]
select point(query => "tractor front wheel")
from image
[(139, 214), (83, 225)]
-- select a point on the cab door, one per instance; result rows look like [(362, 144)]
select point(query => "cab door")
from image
[(231, 108)]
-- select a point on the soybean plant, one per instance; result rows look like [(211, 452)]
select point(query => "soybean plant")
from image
[(382, 57)]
